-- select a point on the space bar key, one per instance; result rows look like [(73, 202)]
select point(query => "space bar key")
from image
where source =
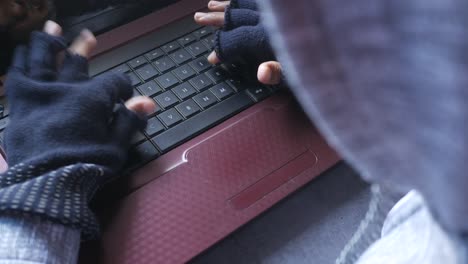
[(202, 121)]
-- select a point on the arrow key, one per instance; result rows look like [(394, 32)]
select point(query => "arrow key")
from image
[(258, 93)]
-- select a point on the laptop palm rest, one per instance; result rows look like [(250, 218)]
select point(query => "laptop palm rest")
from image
[(255, 155), (230, 174), (273, 180)]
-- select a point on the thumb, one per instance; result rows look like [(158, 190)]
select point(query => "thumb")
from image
[(270, 73)]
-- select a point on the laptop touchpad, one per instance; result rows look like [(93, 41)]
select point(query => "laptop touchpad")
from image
[(255, 156)]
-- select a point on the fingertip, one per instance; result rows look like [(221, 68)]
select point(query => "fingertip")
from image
[(215, 19), (199, 16), (147, 106), (84, 44), (264, 74), (213, 5), (213, 58), (52, 28), (269, 73), (141, 105), (89, 37), (218, 5)]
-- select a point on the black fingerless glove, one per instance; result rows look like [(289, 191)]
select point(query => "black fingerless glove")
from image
[(68, 134), (243, 37)]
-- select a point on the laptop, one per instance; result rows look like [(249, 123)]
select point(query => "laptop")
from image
[(220, 149)]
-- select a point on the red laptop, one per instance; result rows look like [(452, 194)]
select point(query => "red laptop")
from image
[(220, 149)]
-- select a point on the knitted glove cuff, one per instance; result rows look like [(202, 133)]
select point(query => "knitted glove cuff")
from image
[(59, 195)]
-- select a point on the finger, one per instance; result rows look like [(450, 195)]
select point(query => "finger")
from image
[(74, 68), (52, 28), (141, 105), (75, 64), (235, 18), (126, 123), (213, 58), (249, 43), (218, 6), (84, 44), (43, 52), (116, 87), (215, 19), (270, 73)]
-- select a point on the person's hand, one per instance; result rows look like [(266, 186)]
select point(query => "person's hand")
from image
[(68, 134), (83, 46), (269, 72), (67, 109)]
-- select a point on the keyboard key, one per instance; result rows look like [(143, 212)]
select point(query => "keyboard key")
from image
[(184, 91), (188, 108), (138, 137), (167, 99), (234, 68), (200, 64), (258, 93), (137, 62), (121, 69), (154, 126), (170, 117), (136, 93), (201, 82), (275, 88), (181, 56), (141, 154), (184, 41), (197, 49), (164, 64), (218, 74), (205, 99), (149, 89), (236, 83), (210, 41), (154, 54), (147, 72), (184, 72), (202, 32), (204, 120), (167, 80), (173, 46), (134, 80), (222, 91)]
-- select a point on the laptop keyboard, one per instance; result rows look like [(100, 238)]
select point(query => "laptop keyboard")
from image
[(191, 95)]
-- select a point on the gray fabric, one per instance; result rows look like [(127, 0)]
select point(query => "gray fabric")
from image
[(370, 228), (30, 240), (410, 235), (385, 81)]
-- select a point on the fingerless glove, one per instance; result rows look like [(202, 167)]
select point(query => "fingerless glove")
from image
[(68, 134), (243, 36)]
